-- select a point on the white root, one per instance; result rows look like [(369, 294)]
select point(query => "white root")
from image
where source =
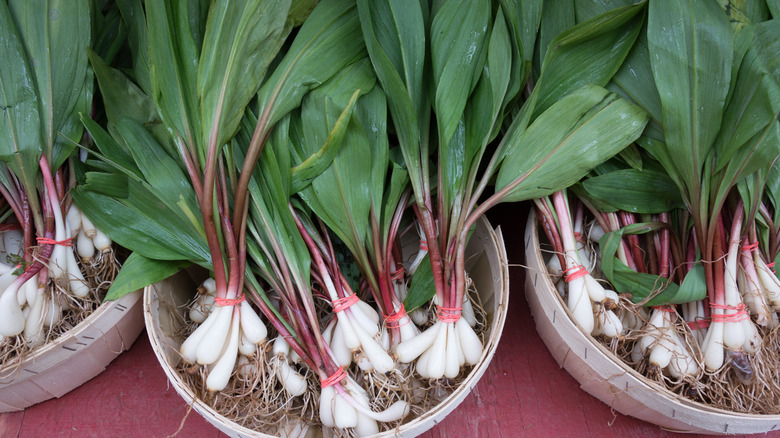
[(219, 375), (290, 379), (11, 317)]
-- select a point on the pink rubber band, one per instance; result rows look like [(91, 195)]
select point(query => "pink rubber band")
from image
[(740, 315), (228, 301), (393, 320), (752, 247), (344, 303), (337, 377), (448, 314), (47, 241), (574, 273), (398, 274), (698, 324)]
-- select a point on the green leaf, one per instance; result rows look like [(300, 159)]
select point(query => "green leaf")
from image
[(173, 57), (756, 97), (589, 124), (106, 184), (122, 99), (318, 162), (421, 288), (138, 272), (557, 17), (111, 151), (328, 41), (458, 33), (647, 191), (523, 18), (241, 40), (56, 34), (394, 33), (588, 53), (135, 21), (691, 50), (20, 125), (109, 31), (161, 172)]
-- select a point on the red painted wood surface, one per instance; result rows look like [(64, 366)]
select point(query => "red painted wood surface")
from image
[(523, 393)]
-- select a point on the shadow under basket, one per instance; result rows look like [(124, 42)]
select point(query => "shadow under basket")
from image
[(606, 377), (74, 358), (486, 265)]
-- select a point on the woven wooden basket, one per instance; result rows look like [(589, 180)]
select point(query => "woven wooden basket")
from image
[(75, 357), (487, 266), (609, 379)]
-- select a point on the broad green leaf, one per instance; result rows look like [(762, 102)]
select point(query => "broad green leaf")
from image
[(106, 184), (341, 194), (241, 40), (173, 57), (135, 21), (587, 9), (327, 41), (589, 53), (691, 49), (421, 288), (558, 16), (109, 33), (138, 272), (111, 151), (523, 18), (56, 34), (635, 79), (589, 124), (161, 172), (756, 97), (458, 53), (758, 153), (20, 125), (774, 7), (394, 33), (320, 160), (773, 187), (122, 99), (647, 191)]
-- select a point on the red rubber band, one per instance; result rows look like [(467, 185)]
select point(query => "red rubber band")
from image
[(47, 241), (344, 303), (228, 301), (448, 314), (579, 237), (398, 274), (698, 324), (393, 320), (576, 272), (668, 309), (770, 266), (337, 377), (423, 245), (740, 315), (752, 247)]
